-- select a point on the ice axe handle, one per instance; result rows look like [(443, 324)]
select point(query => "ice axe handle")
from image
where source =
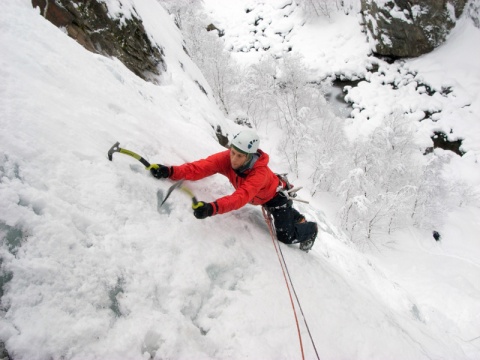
[(196, 203), (116, 148)]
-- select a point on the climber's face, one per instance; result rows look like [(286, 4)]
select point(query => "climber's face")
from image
[(237, 158)]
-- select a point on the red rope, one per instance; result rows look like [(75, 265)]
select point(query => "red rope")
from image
[(270, 228)]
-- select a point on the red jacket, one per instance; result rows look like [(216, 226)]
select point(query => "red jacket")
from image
[(256, 185)]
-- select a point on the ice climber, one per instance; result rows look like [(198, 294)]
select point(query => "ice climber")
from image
[(246, 166)]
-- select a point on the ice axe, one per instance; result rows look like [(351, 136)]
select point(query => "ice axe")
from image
[(116, 148), (179, 185)]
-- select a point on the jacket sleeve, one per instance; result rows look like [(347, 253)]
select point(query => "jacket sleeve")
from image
[(200, 169), (243, 194)]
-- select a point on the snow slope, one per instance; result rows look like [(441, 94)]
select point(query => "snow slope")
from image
[(442, 276), (92, 268)]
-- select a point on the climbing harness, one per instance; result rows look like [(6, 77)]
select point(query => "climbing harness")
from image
[(288, 190)]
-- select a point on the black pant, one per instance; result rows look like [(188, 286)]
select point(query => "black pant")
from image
[(286, 218)]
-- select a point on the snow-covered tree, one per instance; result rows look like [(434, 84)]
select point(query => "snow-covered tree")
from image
[(256, 91), (328, 7), (473, 10), (319, 7), (428, 206), (291, 91), (206, 50), (463, 194), (302, 112), (328, 150), (382, 182), (181, 10)]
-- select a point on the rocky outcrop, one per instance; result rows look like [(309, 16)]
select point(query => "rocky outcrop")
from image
[(409, 28), (473, 11), (91, 25)]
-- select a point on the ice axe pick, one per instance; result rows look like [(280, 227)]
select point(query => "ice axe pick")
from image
[(179, 185)]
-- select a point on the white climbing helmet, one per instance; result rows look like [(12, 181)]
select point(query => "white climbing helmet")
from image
[(246, 141)]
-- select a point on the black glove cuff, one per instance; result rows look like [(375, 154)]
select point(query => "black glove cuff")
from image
[(161, 172), (203, 211), (209, 207)]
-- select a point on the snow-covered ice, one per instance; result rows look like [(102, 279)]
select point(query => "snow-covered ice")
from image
[(92, 268)]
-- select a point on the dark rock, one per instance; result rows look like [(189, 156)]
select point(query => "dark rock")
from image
[(222, 139), (440, 140), (89, 23), (473, 11), (212, 27), (243, 120), (3, 352), (409, 28), (202, 89)]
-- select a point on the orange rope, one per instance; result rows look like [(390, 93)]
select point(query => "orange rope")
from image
[(270, 228)]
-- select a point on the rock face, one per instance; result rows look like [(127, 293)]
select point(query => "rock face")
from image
[(409, 28), (90, 24), (473, 11)]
